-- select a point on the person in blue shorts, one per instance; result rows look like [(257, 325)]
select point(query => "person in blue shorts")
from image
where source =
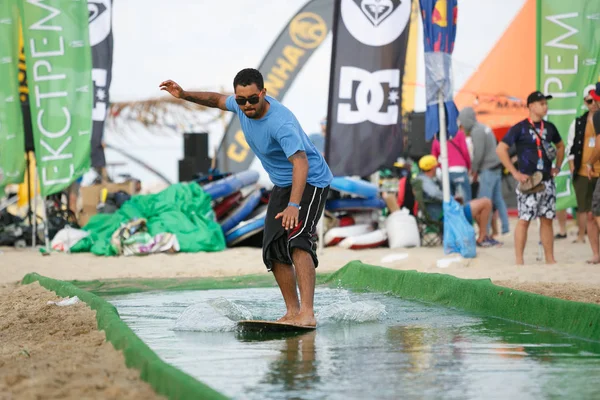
[(301, 179), (476, 211)]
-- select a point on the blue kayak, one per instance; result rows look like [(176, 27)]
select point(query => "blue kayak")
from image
[(355, 187), (246, 229), (231, 184), (355, 204), (242, 211)]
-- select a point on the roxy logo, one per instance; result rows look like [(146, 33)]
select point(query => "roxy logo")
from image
[(100, 13), (369, 96), (377, 10), (375, 22)]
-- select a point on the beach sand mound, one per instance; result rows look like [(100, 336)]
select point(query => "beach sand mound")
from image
[(57, 352)]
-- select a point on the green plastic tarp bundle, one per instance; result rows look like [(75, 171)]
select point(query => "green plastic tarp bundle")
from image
[(182, 209)]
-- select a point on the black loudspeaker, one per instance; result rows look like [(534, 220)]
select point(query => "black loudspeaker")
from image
[(416, 146), (195, 156), (195, 145), (187, 169)]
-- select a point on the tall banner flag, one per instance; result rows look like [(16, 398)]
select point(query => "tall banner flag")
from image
[(296, 43), (59, 65), (439, 33), (364, 129), (568, 62), (12, 137), (101, 41)]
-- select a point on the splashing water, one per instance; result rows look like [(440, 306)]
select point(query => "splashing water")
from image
[(214, 315), (347, 311), (233, 311)]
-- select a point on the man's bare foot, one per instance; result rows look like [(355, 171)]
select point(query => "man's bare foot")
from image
[(551, 261), (289, 315), (594, 260), (520, 261), (303, 319)]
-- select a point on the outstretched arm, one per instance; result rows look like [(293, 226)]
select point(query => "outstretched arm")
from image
[(207, 99)]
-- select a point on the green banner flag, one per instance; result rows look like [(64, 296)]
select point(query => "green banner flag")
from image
[(59, 76), (12, 136), (568, 46)]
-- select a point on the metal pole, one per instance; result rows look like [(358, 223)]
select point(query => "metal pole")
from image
[(28, 180), (444, 149), (35, 189), (46, 234)]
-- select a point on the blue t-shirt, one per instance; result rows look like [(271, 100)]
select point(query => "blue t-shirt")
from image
[(277, 136), (523, 136)]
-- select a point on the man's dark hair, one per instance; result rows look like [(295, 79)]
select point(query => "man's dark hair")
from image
[(247, 77)]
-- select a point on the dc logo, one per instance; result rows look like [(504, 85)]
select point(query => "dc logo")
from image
[(99, 77), (369, 97), (99, 20), (376, 22)]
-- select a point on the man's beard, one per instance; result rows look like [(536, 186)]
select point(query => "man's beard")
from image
[(256, 112)]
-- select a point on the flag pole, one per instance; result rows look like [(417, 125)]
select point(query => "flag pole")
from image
[(34, 231), (444, 149)]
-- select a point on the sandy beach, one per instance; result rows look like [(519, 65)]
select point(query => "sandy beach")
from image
[(571, 272), (572, 279), (57, 352)]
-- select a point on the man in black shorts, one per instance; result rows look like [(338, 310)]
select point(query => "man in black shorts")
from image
[(533, 138), (301, 178), (595, 94)]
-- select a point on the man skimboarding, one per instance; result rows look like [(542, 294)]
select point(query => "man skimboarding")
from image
[(301, 179)]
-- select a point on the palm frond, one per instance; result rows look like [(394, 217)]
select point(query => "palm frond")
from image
[(161, 115)]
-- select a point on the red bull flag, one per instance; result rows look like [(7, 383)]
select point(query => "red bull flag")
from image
[(439, 33)]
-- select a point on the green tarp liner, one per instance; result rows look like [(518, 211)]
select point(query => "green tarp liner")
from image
[(116, 287), (479, 296), (164, 378), (183, 209)]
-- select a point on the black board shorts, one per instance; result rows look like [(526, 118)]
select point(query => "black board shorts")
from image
[(278, 243)]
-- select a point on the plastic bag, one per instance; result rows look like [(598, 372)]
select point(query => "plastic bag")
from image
[(402, 229), (459, 235)]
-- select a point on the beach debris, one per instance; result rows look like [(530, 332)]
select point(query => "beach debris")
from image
[(66, 301), (394, 257), (446, 262)]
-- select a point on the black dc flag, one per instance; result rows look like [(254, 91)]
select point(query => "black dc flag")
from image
[(101, 42), (364, 127)]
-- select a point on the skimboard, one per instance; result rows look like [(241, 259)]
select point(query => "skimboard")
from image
[(260, 326)]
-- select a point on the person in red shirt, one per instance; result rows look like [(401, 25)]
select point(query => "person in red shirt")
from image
[(459, 165)]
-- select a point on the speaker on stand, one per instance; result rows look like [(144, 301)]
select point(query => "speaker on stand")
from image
[(416, 145), (195, 156)]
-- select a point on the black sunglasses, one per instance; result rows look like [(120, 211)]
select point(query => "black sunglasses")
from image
[(252, 100), (589, 101)]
